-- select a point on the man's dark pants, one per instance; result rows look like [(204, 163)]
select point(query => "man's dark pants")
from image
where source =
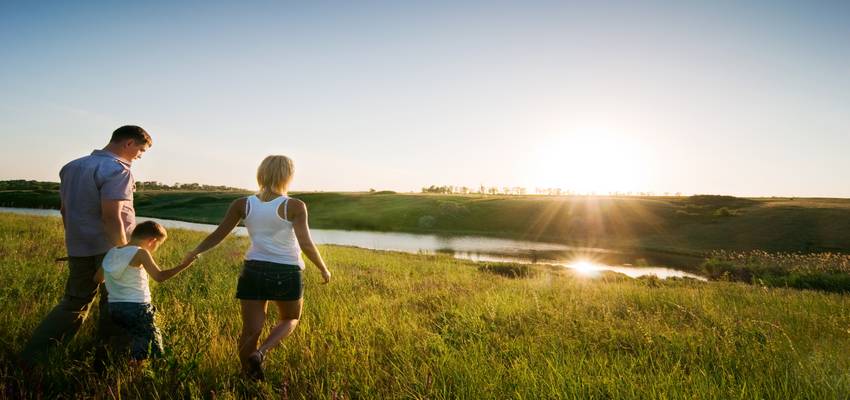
[(63, 322)]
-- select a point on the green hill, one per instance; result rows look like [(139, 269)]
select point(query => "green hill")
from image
[(677, 224)]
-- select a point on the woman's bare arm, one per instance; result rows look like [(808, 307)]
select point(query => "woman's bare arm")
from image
[(302, 232), (235, 213)]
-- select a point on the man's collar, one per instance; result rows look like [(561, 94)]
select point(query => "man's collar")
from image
[(107, 153)]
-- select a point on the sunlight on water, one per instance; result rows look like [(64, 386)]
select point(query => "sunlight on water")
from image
[(585, 268)]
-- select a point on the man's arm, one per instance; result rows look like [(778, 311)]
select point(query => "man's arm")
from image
[(110, 214)]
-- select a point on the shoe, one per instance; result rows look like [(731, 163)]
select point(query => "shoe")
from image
[(255, 366)]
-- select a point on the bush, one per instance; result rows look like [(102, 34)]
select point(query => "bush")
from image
[(451, 208), (723, 212), (426, 221), (509, 270), (725, 270)]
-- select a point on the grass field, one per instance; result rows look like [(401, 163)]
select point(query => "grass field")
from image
[(689, 225), (394, 325)]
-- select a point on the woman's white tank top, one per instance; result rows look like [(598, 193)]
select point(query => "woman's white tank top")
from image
[(272, 237)]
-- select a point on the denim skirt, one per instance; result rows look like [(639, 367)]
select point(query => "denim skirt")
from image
[(263, 280)]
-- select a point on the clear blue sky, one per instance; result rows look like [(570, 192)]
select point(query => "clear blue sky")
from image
[(742, 98)]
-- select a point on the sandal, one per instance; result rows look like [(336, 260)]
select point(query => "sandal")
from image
[(255, 365)]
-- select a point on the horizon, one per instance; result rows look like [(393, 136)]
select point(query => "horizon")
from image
[(175, 186), (743, 99)]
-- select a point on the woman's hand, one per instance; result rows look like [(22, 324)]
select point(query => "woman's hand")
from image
[(190, 257), (326, 276)]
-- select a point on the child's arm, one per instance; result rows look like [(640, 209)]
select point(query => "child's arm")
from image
[(98, 276), (147, 262)]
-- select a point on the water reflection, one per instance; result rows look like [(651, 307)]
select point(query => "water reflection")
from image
[(590, 260), (587, 267)]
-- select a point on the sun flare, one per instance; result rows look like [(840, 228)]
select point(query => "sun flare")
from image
[(584, 267)]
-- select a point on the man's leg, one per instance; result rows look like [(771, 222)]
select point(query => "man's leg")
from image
[(108, 332), (63, 322)]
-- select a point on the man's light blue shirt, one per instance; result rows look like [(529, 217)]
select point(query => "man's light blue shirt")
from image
[(85, 183)]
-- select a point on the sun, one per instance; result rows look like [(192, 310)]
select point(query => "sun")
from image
[(584, 267), (590, 161)]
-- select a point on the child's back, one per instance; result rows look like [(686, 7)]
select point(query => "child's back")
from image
[(125, 283)]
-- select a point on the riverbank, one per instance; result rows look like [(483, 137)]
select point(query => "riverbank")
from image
[(475, 248), (395, 325), (676, 225)]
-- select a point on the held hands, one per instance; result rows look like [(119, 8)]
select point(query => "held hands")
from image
[(189, 258)]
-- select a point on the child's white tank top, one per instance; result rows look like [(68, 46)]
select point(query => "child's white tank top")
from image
[(272, 237), (125, 284)]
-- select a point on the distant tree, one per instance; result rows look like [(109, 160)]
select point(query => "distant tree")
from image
[(20, 184)]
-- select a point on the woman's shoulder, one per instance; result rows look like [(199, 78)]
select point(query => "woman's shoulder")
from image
[(296, 204), (242, 200), (294, 208)]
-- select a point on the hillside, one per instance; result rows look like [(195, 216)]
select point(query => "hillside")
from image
[(678, 224)]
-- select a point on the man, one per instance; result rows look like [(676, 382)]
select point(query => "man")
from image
[(96, 194)]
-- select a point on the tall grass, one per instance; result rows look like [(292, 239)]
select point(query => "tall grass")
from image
[(394, 325), (820, 271)]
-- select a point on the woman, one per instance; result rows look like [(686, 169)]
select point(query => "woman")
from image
[(277, 225)]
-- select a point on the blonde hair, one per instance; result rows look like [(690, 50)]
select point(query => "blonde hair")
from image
[(275, 173)]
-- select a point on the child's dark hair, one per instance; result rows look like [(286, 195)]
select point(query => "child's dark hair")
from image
[(131, 132), (149, 230)]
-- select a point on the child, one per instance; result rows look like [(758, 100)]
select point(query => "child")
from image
[(126, 270)]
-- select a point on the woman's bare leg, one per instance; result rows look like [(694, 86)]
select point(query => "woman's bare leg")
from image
[(289, 313), (253, 317)]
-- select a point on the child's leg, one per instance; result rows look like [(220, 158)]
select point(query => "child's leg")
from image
[(253, 317), (151, 332), (290, 314), (138, 319)]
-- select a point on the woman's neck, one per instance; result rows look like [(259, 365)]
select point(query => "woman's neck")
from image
[(267, 195)]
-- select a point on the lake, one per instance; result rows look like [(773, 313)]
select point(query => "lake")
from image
[(584, 260)]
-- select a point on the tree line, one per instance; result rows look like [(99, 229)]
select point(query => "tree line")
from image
[(192, 187), (21, 184), (521, 191)]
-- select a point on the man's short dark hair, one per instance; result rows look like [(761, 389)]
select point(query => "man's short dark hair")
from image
[(131, 132), (149, 230)]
